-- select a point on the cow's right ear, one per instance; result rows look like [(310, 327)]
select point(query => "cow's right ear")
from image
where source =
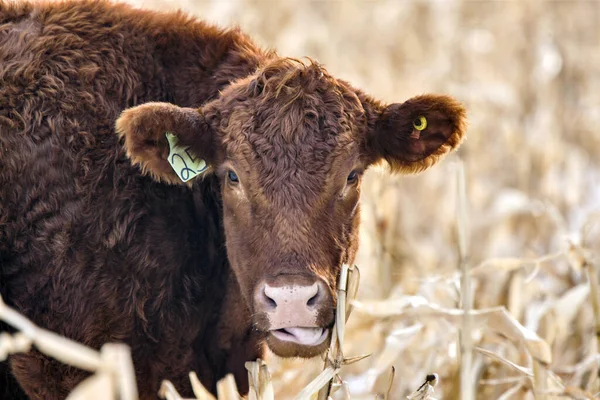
[(170, 143)]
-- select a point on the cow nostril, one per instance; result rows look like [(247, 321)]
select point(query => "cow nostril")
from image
[(269, 301), (313, 300)]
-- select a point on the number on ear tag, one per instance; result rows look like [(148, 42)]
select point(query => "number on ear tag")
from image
[(183, 162)]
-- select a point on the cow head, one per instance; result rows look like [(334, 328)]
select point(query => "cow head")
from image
[(289, 145)]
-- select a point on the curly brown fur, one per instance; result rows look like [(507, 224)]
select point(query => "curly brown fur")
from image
[(89, 248), (100, 244)]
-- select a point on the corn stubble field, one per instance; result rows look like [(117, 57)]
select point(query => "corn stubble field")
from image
[(525, 221)]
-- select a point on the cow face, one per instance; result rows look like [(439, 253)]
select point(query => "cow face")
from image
[(289, 145)]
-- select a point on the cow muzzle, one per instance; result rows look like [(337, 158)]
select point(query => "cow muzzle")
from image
[(297, 313)]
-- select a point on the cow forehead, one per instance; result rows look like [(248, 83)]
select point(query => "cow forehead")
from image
[(291, 125), (300, 136), (291, 155)]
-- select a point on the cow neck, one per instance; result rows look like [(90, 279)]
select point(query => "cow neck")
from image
[(236, 340), (233, 321)]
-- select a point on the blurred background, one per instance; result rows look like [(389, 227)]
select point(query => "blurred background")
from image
[(529, 73)]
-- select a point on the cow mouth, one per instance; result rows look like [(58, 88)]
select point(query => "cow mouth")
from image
[(301, 336), (298, 341)]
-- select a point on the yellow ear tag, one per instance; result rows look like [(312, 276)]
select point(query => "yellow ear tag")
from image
[(183, 162), (420, 123)]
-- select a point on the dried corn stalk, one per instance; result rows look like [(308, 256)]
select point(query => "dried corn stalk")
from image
[(200, 391), (323, 385), (261, 387), (467, 386), (426, 389), (114, 374)]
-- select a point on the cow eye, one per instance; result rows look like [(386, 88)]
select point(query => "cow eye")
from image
[(232, 176), (352, 177)]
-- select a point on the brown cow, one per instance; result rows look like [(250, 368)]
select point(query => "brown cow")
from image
[(102, 241)]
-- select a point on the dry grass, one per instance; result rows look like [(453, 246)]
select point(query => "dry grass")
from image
[(528, 72)]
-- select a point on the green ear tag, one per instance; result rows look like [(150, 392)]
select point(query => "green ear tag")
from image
[(183, 162)]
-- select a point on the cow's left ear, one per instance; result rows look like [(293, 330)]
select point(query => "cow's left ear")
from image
[(170, 143), (414, 135)]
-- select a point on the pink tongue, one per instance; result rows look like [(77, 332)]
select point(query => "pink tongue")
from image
[(304, 336)]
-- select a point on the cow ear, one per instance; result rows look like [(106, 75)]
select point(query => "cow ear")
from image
[(169, 143), (414, 135)]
